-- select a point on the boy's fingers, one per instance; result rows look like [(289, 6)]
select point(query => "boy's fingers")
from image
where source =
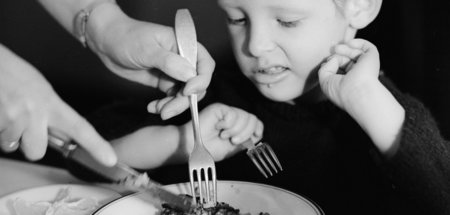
[(361, 44), (240, 123), (345, 50), (328, 79), (329, 67), (70, 123), (246, 132), (259, 129), (228, 116)]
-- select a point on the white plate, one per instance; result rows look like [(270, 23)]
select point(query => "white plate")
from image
[(48, 193), (247, 197)]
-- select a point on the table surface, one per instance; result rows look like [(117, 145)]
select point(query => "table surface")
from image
[(17, 175)]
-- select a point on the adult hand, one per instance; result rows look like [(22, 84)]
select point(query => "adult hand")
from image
[(147, 53), (30, 109)]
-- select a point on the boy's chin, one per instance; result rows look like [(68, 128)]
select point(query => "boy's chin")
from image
[(280, 95)]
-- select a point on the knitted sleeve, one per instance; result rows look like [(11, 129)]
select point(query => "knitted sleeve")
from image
[(420, 166)]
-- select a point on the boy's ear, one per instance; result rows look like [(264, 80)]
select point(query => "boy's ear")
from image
[(360, 13)]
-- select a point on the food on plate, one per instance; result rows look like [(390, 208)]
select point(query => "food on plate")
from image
[(141, 180), (63, 204), (221, 208)]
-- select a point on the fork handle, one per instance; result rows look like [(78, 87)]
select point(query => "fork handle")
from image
[(249, 144), (195, 120)]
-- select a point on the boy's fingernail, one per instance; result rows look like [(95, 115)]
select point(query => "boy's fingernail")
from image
[(224, 135), (235, 140)]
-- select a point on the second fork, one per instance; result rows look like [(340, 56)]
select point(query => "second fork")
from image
[(261, 154)]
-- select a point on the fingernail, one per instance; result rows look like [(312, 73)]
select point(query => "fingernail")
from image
[(235, 140), (190, 73), (110, 160), (151, 107), (189, 91), (224, 135)]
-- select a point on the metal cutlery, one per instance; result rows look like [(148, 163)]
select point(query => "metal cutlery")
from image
[(201, 163), (122, 176), (261, 154)]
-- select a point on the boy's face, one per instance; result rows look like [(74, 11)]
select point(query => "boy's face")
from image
[(280, 44)]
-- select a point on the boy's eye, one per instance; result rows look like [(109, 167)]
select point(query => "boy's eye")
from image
[(288, 24), (240, 21)]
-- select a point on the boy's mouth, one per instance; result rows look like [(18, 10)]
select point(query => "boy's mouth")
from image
[(270, 75)]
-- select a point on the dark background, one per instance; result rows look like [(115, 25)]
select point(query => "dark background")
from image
[(412, 37)]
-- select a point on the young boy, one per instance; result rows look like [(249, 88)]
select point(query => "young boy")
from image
[(347, 138)]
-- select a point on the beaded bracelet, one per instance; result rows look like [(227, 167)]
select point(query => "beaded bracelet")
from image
[(81, 19)]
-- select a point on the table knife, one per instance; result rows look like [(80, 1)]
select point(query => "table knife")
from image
[(122, 175)]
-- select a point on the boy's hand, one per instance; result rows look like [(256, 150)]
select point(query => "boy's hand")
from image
[(346, 72), (223, 128), (358, 91)]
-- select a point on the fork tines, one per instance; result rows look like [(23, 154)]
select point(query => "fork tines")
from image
[(203, 186), (263, 154)]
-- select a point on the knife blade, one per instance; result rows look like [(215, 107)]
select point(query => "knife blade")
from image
[(122, 175)]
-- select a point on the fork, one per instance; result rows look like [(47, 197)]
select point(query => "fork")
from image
[(260, 153), (201, 163)]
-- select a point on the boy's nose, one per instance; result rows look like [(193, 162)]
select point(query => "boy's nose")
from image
[(259, 41)]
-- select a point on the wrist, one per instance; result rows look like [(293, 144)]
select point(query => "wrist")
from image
[(379, 114), (82, 17), (100, 20)]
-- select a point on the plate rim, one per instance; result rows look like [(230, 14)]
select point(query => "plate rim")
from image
[(308, 201)]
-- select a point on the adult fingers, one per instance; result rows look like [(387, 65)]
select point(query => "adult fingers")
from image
[(170, 106), (70, 123), (10, 136), (171, 64), (157, 106), (205, 68), (34, 139)]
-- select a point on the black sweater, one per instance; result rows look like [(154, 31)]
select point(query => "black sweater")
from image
[(328, 158), (325, 155)]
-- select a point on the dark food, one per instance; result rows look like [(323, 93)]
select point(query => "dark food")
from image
[(221, 208)]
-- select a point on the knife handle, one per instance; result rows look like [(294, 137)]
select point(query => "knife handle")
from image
[(63, 147), (72, 152)]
